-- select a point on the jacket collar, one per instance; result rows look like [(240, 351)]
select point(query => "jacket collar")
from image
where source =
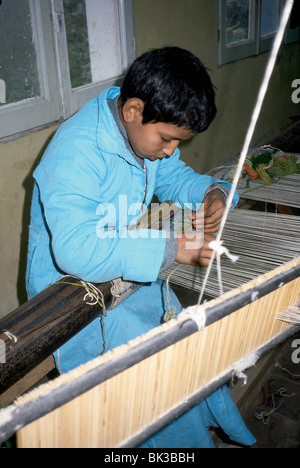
[(109, 138)]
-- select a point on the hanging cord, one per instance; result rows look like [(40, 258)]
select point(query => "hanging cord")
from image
[(264, 416), (293, 376), (256, 112), (171, 312)]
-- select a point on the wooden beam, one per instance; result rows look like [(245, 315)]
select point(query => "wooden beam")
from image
[(26, 383), (39, 327)]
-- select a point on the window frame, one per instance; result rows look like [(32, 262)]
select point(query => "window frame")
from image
[(265, 42), (24, 115), (74, 99), (256, 44), (238, 50), (58, 100)]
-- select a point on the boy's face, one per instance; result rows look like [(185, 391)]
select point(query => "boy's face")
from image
[(157, 140), (153, 140)]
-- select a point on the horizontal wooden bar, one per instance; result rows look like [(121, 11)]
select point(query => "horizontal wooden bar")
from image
[(39, 327)]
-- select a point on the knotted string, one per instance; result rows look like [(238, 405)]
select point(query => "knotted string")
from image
[(220, 250)]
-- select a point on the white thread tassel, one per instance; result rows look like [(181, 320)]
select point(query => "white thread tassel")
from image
[(221, 250), (291, 315), (196, 313)]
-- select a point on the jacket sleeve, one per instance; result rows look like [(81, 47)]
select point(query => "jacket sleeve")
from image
[(181, 184), (71, 191)]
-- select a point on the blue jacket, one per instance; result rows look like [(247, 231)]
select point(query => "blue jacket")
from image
[(79, 181), (77, 228)]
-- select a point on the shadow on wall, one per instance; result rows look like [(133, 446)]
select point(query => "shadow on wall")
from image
[(28, 185)]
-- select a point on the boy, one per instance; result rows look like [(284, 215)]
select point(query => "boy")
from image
[(123, 146)]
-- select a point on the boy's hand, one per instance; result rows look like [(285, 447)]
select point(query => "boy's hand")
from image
[(214, 207), (190, 253), (197, 251)]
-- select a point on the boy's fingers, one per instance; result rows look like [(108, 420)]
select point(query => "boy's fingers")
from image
[(188, 253)]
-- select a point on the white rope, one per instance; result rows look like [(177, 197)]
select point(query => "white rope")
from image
[(197, 314), (264, 416), (256, 112), (11, 336), (221, 250), (93, 294), (293, 376)]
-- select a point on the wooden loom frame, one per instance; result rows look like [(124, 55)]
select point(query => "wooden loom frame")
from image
[(127, 395), (245, 307)]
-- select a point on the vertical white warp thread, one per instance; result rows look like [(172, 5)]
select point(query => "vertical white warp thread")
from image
[(256, 112)]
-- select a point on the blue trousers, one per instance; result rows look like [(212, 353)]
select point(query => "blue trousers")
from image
[(139, 313)]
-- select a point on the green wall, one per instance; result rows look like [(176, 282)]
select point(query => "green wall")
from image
[(192, 24)]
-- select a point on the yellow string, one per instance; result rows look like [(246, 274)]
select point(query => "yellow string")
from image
[(99, 300), (171, 312)]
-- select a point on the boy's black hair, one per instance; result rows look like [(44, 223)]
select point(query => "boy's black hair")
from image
[(175, 87)]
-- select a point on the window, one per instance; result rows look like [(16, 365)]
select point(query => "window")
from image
[(270, 15), (238, 29), (269, 23), (27, 67), (95, 45), (19, 68), (58, 54), (248, 27)]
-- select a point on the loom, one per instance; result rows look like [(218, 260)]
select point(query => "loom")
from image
[(257, 292), (262, 241), (210, 345), (125, 396)]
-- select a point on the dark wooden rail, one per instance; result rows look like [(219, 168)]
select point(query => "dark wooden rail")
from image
[(39, 327)]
